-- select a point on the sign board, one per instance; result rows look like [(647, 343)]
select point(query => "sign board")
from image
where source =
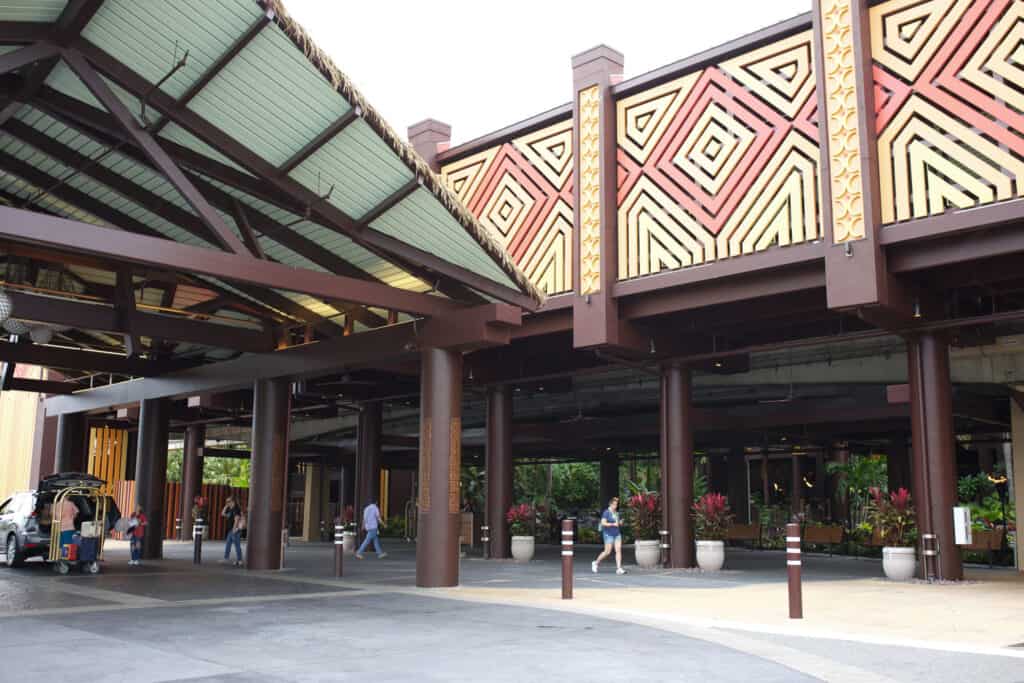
[(962, 525)]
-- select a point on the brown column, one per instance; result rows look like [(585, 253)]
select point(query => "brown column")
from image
[(934, 456), (499, 468), (151, 472), (796, 495), (678, 441), (1016, 467), (736, 464), (609, 478), (311, 504), (270, 420), (840, 454), (371, 417), (69, 453), (191, 474), (437, 545), (898, 463)]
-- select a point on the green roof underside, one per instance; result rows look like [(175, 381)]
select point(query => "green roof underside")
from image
[(269, 98)]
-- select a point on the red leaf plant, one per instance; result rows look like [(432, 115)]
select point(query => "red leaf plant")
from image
[(645, 515), (520, 519), (711, 516), (892, 516)]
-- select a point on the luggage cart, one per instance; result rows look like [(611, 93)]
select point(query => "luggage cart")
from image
[(86, 550)]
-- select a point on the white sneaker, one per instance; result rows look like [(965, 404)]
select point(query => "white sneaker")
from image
[(620, 571), (593, 567), (382, 556)]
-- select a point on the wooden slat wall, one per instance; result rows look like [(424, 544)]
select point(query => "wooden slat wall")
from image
[(108, 455), (215, 494)]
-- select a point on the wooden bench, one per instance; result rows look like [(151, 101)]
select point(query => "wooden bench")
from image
[(986, 541), (744, 532), (830, 535)]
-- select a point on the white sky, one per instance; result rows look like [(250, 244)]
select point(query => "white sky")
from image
[(481, 65)]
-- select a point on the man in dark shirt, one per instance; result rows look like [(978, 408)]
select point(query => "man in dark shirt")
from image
[(230, 511)]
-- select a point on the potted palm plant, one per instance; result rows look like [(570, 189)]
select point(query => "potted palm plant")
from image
[(711, 516), (521, 519), (645, 518), (892, 516)]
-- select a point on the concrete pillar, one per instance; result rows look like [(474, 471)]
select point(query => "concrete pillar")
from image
[(609, 478), (270, 421), (1016, 471), (151, 472), (69, 453), (736, 464), (191, 475), (898, 463), (368, 433), (499, 468), (934, 455), (437, 554), (311, 505), (677, 430)]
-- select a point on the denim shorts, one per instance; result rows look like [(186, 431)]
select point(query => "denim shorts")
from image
[(609, 539)]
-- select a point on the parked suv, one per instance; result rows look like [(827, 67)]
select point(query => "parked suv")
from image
[(25, 517)]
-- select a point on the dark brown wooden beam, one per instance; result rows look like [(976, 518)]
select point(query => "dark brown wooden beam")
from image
[(319, 141), (73, 359), (102, 318), (244, 227), (223, 235), (27, 55), (124, 309), (41, 386), (22, 32), (390, 201), (395, 342), (34, 228)]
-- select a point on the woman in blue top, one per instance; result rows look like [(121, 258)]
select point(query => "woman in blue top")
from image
[(612, 536)]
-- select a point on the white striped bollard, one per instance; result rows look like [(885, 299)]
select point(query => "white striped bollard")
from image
[(567, 555), (197, 541), (339, 549), (796, 598), (485, 540), (177, 528), (663, 546), (930, 556)]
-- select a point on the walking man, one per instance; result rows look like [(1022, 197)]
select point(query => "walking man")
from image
[(230, 511), (371, 523)]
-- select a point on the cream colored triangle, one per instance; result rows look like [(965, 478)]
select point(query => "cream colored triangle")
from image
[(781, 73), (905, 34), (550, 151), (463, 177), (643, 118)]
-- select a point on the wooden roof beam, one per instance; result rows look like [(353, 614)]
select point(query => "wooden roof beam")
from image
[(222, 234), (59, 233), (319, 141)]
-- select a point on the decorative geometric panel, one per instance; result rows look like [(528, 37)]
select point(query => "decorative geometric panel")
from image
[(522, 190), (721, 162), (589, 107), (949, 102)]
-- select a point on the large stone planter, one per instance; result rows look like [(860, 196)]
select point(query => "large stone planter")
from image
[(522, 548), (899, 564), (647, 554), (348, 542), (710, 555)]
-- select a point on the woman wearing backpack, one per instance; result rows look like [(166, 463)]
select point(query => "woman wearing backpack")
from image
[(612, 536), (235, 536)]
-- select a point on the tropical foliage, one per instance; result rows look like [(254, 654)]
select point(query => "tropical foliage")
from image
[(892, 515), (856, 478), (711, 517), (644, 515)]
